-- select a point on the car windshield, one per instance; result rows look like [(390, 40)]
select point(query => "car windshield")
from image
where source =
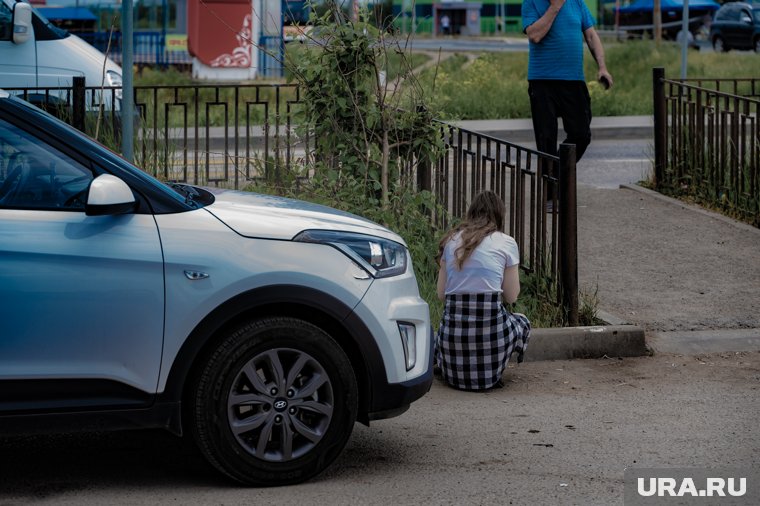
[(756, 14)]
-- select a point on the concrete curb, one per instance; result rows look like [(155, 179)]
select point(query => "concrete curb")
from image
[(586, 342), (697, 342), (602, 128), (692, 207), (511, 130)]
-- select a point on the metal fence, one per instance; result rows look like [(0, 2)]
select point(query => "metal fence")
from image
[(525, 178), (149, 48), (229, 135), (707, 141)]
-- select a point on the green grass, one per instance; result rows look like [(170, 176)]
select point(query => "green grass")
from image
[(495, 85)]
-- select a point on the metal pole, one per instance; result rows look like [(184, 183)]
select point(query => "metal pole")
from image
[(78, 103), (568, 233), (657, 21), (658, 95), (684, 37), (127, 101)]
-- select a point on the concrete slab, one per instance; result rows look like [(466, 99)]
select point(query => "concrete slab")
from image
[(705, 341)]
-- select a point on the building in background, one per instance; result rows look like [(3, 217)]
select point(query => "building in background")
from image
[(467, 17), (234, 40)]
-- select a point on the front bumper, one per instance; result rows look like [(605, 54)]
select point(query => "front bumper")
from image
[(389, 400)]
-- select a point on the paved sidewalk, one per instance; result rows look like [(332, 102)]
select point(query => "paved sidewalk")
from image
[(690, 277)]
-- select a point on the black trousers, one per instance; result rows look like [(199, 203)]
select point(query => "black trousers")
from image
[(569, 100)]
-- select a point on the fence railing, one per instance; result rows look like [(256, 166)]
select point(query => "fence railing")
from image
[(229, 135), (707, 141), (149, 48), (525, 178)]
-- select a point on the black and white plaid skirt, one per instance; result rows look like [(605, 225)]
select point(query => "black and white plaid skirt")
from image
[(476, 339)]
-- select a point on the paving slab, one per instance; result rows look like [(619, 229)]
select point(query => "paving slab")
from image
[(662, 265)]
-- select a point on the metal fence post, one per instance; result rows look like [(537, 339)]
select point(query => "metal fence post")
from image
[(424, 176), (660, 124), (424, 172), (78, 103), (568, 233)]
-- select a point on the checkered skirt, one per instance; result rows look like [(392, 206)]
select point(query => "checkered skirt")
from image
[(476, 339)]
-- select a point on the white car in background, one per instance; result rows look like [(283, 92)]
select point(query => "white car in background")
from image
[(36, 54)]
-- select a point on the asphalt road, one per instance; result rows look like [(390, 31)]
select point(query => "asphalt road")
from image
[(467, 44), (559, 433)]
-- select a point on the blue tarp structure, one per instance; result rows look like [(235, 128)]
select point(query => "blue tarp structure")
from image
[(67, 13), (640, 6)]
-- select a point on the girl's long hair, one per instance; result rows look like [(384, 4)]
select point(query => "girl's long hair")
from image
[(484, 217)]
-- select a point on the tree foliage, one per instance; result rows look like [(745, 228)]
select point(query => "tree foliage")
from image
[(362, 125)]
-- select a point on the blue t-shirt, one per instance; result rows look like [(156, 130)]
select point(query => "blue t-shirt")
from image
[(559, 55)]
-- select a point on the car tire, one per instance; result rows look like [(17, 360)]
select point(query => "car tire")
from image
[(756, 45), (274, 403), (719, 45)]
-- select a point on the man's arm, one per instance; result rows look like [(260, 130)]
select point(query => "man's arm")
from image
[(538, 30), (597, 51)]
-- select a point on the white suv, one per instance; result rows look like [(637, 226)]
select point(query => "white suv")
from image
[(263, 326)]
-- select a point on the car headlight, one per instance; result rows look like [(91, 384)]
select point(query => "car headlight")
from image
[(113, 78), (380, 257)]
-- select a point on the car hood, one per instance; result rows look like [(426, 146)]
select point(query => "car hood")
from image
[(72, 50), (270, 217)]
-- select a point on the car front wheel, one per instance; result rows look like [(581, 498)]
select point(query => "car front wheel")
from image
[(757, 44), (275, 402), (719, 45)]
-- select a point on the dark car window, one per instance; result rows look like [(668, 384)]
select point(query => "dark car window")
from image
[(733, 14), (6, 22), (45, 30), (35, 175), (756, 13)]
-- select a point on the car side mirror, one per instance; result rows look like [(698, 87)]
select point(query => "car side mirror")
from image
[(109, 195), (22, 22), (746, 19)]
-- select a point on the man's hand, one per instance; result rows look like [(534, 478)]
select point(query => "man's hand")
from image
[(538, 30), (605, 78)]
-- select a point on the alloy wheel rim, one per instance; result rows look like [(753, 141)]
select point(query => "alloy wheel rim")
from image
[(280, 404)]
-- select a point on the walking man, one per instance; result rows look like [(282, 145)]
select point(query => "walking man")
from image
[(556, 30)]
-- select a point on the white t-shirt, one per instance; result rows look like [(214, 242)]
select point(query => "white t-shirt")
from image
[(483, 271)]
